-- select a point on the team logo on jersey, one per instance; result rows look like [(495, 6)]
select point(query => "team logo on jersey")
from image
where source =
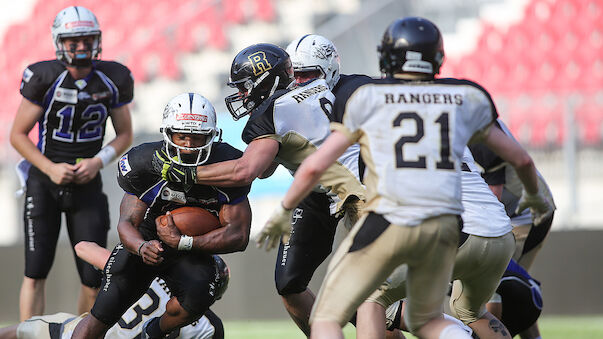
[(66, 95), (124, 165), (172, 195), (191, 117), (259, 62), (27, 74), (81, 83)]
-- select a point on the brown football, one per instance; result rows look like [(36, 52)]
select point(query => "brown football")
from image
[(192, 220)]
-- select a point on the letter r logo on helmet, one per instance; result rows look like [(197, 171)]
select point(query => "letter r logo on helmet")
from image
[(259, 62)]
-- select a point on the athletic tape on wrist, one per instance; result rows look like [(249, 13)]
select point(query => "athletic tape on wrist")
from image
[(106, 154), (185, 243)]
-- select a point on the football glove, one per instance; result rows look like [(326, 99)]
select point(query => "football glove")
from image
[(173, 172), (538, 205), (277, 226)]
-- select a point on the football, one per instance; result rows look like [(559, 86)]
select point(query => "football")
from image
[(192, 220)]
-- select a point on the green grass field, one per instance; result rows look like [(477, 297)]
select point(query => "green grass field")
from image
[(551, 327)]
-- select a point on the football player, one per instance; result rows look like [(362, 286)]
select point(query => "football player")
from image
[(70, 98), (518, 302), (286, 124), (530, 233), (412, 130), (149, 250), (150, 305), (485, 248)]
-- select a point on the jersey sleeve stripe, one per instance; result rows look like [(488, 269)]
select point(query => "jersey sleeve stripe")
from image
[(112, 88), (152, 193)]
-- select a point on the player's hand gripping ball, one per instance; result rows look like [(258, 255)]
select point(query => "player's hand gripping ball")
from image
[(186, 220)]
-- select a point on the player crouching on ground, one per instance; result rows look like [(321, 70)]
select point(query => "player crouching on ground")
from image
[(185, 263), (61, 325)]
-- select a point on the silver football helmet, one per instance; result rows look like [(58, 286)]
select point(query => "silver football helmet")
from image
[(189, 113), (314, 52), (76, 21)]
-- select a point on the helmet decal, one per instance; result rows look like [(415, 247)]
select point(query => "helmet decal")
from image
[(259, 63)]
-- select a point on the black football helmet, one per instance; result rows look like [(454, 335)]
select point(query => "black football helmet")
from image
[(223, 273), (257, 72), (411, 45)]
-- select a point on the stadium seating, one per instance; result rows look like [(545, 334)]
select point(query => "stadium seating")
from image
[(555, 51)]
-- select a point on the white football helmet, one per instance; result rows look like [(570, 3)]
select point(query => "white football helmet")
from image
[(314, 52), (189, 113), (76, 21)]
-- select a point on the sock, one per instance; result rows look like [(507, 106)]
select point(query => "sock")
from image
[(454, 332), (153, 329)]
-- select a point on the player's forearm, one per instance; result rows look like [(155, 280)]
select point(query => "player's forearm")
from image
[(30, 152), (129, 236), (227, 239), (306, 177), (230, 173), (527, 174)]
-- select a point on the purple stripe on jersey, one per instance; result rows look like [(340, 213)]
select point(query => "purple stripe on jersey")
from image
[(149, 196), (112, 88), (237, 200), (45, 106)]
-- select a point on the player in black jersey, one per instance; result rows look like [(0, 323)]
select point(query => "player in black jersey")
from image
[(148, 251), (286, 124), (70, 99)]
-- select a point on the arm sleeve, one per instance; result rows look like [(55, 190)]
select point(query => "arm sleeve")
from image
[(35, 83)]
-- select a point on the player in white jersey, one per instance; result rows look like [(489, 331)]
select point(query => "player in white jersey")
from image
[(286, 124), (485, 248), (412, 130), (529, 234), (504, 182), (151, 304)]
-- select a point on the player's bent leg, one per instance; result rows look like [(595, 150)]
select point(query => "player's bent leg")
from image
[(9, 332), (32, 298), (86, 298), (431, 259), (90, 328), (480, 263), (299, 306), (488, 326), (369, 322), (310, 244), (326, 329)]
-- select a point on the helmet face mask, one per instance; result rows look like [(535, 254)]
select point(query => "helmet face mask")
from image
[(257, 72), (189, 113), (313, 52), (76, 22), (411, 45)]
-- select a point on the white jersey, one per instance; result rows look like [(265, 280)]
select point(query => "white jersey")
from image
[(513, 187), (151, 304), (412, 136), (299, 120), (484, 215)]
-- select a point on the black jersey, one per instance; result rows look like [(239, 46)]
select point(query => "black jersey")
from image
[(138, 175), (75, 111)]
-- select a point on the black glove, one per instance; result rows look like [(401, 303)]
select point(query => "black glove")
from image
[(173, 172)]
